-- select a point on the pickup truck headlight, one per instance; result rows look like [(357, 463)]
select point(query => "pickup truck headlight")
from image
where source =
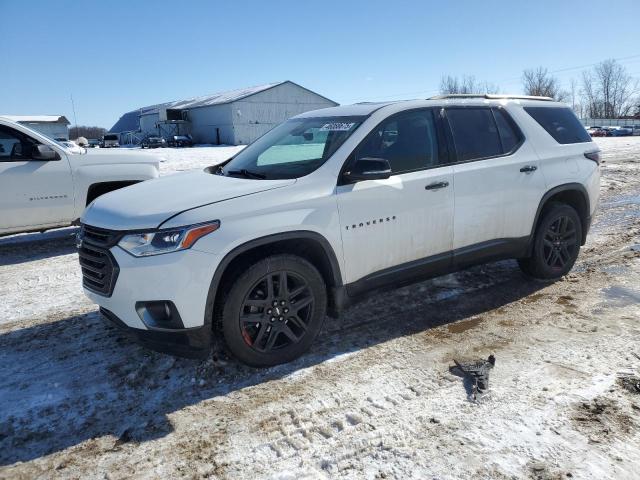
[(144, 244)]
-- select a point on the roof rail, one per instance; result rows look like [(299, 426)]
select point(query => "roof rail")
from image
[(490, 96)]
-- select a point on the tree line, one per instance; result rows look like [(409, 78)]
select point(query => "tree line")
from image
[(86, 132), (605, 91)]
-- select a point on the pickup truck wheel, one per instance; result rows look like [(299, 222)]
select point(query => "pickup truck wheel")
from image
[(556, 243), (274, 310)]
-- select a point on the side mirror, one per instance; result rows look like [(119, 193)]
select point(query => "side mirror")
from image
[(369, 168), (44, 152)]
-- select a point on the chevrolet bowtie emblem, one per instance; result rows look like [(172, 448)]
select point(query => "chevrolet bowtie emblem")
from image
[(79, 238)]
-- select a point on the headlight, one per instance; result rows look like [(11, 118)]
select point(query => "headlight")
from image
[(164, 241)]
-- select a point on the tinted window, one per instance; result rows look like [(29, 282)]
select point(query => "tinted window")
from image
[(407, 140), (475, 133), (509, 135), (15, 145), (561, 123)]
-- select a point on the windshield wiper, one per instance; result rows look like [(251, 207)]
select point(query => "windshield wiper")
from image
[(247, 173)]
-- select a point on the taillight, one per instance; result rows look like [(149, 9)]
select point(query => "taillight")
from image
[(595, 156)]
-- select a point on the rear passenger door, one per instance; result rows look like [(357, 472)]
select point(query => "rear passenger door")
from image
[(498, 183)]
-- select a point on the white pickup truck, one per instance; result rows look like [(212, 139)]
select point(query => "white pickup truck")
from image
[(43, 184)]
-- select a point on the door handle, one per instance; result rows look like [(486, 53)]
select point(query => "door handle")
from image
[(528, 169), (436, 185)]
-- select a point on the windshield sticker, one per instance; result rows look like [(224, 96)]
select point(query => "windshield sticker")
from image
[(336, 127)]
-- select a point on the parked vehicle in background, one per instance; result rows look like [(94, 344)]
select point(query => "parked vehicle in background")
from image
[(72, 146), (93, 143), (44, 184), (333, 204), (180, 141), (110, 140), (635, 129), (597, 132), (153, 142), (620, 132)]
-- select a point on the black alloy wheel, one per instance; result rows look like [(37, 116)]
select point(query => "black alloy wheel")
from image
[(271, 311), (559, 243), (556, 243), (276, 311)]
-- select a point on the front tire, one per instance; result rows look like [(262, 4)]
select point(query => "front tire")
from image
[(556, 243), (273, 310)]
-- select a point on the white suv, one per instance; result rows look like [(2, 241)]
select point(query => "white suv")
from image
[(335, 203)]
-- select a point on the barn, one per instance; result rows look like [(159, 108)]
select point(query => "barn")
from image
[(235, 117), (53, 126)]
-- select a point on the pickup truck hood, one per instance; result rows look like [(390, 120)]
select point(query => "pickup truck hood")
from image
[(148, 204), (110, 156)]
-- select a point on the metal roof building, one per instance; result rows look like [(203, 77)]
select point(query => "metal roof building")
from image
[(53, 126), (235, 117)]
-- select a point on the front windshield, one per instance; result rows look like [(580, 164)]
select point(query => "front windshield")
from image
[(293, 149)]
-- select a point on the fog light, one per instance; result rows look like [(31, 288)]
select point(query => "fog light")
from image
[(159, 315)]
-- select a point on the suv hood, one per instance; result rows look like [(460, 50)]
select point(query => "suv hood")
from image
[(148, 204)]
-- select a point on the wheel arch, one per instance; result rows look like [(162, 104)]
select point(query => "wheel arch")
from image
[(306, 244), (97, 189), (573, 194)]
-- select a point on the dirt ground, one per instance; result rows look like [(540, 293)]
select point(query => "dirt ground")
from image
[(375, 397)]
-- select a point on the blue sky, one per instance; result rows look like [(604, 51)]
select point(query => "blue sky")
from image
[(116, 56)]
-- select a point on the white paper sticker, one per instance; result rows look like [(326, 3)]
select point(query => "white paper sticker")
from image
[(336, 127)]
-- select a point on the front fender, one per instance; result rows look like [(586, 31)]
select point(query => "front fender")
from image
[(88, 175)]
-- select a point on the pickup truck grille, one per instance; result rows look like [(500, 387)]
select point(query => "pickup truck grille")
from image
[(99, 268)]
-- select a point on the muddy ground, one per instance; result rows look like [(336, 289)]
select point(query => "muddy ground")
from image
[(375, 397)]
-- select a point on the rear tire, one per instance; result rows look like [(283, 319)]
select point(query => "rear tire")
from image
[(273, 310), (556, 243)]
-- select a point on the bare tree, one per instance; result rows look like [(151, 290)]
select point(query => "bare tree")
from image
[(575, 96), (539, 82), (467, 84), (609, 90), (573, 88)]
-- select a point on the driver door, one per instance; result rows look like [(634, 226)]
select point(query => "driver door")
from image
[(33, 192), (401, 226)]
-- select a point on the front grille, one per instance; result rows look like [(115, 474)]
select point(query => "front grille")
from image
[(99, 268)]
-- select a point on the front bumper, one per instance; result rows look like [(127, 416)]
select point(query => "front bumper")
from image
[(183, 278), (190, 343)]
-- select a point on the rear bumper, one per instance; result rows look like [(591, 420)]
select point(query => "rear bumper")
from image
[(189, 343)]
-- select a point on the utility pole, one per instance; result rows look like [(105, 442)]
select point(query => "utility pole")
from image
[(75, 120)]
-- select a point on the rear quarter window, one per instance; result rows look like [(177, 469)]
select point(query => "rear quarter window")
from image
[(561, 123)]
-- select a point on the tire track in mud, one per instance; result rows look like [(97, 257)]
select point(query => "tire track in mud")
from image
[(349, 430)]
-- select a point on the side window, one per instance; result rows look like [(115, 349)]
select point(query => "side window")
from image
[(14, 145), (561, 123), (407, 140), (475, 133), (509, 134)]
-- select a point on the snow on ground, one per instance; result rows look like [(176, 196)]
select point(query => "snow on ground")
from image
[(375, 397), (182, 159)]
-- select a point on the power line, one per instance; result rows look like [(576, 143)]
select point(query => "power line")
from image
[(501, 82)]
